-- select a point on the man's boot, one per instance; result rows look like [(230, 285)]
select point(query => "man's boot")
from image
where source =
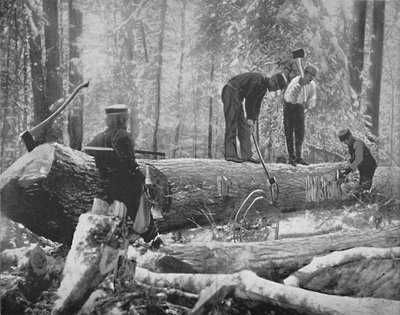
[(299, 159)]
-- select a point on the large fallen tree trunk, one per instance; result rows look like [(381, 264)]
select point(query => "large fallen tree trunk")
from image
[(48, 188), (274, 260)]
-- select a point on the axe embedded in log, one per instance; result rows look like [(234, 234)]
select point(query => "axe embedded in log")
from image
[(27, 136)]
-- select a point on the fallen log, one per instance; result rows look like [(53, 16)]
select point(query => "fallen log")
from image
[(363, 271), (94, 253), (247, 285), (287, 300), (274, 260), (48, 188)]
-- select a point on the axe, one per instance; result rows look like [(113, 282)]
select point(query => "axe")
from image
[(27, 135), (297, 55)]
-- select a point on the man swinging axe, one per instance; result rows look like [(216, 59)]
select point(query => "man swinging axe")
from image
[(299, 97)]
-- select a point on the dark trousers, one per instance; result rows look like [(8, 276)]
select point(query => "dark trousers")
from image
[(366, 176), (235, 125), (293, 122), (128, 189)]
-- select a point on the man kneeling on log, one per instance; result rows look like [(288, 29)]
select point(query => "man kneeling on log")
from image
[(361, 159), (113, 150)]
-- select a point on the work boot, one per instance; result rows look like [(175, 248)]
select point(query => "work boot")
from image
[(234, 159), (300, 160), (292, 161), (254, 160)]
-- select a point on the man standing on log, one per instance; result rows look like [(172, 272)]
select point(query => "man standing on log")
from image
[(251, 87), (300, 96), (361, 159), (114, 153)]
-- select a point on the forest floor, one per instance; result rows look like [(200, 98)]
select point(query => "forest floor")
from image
[(140, 299)]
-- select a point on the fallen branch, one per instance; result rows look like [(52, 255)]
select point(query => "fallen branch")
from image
[(339, 258), (247, 285)]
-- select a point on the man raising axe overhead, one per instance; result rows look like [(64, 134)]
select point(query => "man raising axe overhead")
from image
[(300, 96)]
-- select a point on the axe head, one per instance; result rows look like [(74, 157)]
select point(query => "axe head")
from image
[(28, 140), (299, 53)]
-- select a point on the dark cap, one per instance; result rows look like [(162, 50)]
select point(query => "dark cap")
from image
[(311, 69), (116, 109), (344, 134)]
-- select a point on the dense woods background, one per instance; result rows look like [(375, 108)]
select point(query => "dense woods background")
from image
[(169, 59)]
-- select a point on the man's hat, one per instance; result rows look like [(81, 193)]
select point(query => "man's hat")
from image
[(311, 69), (344, 134), (116, 109)]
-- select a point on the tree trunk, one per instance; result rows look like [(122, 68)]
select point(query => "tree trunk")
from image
[(47, 189), (356, 63), (378, 27), (179, 127), (53, 85), (210, 114), (159, 75), (273, 260), (75, 113), (56, 184)]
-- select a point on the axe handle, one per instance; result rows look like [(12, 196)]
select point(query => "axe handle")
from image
[(303, 90), (36, 130)]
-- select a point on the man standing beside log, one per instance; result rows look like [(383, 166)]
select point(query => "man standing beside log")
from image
[(251, 87), (300, 96), (114, 153), (361, 159)]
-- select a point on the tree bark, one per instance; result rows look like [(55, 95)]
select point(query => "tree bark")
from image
[(47, 189), (75, 113), (286, 300), (374, 94), (273, 260), (55, 184), (159, 75), (356, 59), (363, 271)]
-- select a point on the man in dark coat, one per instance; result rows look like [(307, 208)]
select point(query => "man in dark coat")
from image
[(250, 87), (360, 158), (114, 153)]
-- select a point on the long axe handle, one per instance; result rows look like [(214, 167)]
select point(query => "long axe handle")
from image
[(271, 180), (27, 136)]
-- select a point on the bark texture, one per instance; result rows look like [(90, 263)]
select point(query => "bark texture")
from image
[(273, 260), (48, 188)]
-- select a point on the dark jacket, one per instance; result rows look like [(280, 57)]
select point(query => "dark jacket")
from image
[(365, 164), (116, 161), (252, 87)]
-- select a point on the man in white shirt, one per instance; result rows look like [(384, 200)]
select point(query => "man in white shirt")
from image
[(300, 96)]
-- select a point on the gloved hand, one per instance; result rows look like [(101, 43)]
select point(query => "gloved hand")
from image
[(343, 172)]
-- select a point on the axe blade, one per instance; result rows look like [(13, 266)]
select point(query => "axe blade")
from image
[(28, 140), (299, 53)]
